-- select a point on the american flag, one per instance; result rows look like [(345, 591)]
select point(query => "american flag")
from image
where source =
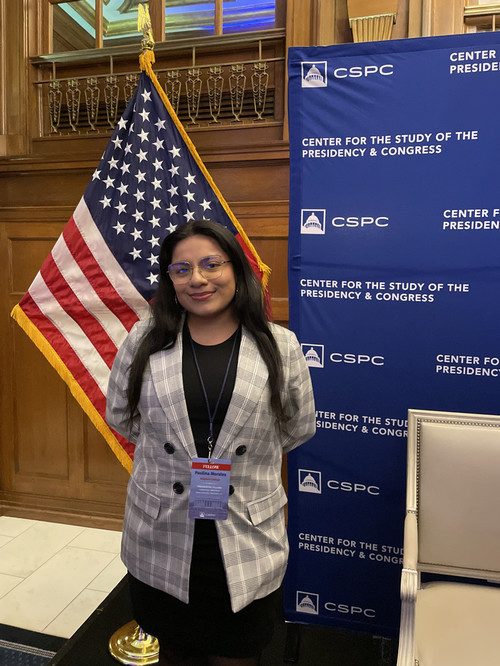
[(103, 270)]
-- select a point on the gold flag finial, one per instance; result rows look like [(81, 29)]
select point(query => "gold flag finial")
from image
[(144, 26)]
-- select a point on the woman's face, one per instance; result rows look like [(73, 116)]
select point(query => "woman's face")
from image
[(203, 296)]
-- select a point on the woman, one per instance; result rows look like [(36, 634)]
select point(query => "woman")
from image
[(208, 377)]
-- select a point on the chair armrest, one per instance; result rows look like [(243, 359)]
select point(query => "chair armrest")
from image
[(410, 554), (409, 585)]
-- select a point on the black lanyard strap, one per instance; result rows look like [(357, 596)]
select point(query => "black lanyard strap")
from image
[(211, 415)]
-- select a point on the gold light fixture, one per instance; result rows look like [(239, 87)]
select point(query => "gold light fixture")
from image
[(371, 20)]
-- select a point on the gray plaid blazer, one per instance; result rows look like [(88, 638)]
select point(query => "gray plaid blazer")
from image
[(157, 532)]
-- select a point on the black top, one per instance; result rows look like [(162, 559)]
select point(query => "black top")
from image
[(212, 361), (207, 570)]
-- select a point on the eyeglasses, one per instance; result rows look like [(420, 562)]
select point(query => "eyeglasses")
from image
[(209, 267)]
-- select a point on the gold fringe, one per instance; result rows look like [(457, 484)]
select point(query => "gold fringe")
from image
[(55, 361), (146, 60)]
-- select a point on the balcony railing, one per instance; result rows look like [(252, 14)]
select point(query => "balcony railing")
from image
[(203, 93)]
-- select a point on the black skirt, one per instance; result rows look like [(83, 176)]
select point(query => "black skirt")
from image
[(206, 625)]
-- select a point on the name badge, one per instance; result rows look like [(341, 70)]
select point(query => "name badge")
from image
[(209, 495)]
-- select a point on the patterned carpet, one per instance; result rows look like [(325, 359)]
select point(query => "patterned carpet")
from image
[(19, 647)]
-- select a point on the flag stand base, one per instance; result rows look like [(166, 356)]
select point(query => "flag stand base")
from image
[(133, 646)]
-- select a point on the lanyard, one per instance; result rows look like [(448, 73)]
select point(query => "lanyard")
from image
[(211, 415)]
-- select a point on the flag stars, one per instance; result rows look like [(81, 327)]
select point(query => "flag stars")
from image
[(136, 254), (149, 190)]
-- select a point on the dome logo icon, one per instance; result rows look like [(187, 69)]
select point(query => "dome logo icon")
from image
[(314, 74), (309, 481), (313, 221), (314, 355), (307, 602)]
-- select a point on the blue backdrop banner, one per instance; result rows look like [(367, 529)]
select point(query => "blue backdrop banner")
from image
[(394, 274)]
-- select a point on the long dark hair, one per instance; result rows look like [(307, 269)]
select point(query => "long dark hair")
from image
[(248, 305)]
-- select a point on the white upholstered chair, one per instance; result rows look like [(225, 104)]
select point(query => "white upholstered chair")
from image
[(452, 527)]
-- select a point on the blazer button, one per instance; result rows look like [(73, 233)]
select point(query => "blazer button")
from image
[(241, 450), (231, 490), (178, 488), (169, 448)]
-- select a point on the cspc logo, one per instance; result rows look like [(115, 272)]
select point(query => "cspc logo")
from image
[(314, 74), (359, 71), (307, 602), (309, 481), (314, 355)]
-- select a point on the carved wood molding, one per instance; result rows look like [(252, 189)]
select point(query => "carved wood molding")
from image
[(62, 510)]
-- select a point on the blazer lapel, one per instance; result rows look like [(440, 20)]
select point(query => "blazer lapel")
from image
[(251, 378), (166, 371)]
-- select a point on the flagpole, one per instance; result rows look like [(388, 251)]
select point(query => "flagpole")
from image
[(130, 644)]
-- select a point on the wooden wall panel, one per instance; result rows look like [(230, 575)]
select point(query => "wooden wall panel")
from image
[(101, 466), (40, 425)]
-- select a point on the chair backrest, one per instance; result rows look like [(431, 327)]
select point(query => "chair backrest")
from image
[(454, 487)]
